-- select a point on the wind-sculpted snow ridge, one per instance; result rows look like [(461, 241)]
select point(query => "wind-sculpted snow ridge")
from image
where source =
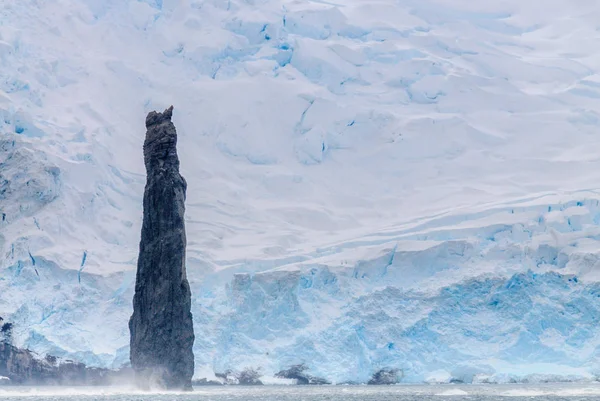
[(371, 184)]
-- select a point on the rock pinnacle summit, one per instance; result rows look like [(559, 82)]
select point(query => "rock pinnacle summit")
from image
[(161, 328)]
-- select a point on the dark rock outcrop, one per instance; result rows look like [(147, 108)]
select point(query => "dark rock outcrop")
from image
[(162, 333), (250, 377), (386, 377), (205, 382), (247, 377), (6, 329), (21, 366), (227, 377), (298, 373)]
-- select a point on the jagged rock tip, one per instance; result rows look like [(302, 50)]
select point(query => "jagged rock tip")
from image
[(155, 117)]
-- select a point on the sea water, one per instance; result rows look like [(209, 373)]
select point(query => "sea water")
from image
[(555, 392)]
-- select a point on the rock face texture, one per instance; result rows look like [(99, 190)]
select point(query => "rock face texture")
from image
[(162, 333), (20, 366), (298, 373), (386, 377)]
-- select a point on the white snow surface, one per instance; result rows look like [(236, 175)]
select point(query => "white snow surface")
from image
[(411, 184)]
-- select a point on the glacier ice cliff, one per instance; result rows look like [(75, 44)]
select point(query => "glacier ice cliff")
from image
[(384, 185)]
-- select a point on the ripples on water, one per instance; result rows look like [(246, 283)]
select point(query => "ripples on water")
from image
[(573, 392)]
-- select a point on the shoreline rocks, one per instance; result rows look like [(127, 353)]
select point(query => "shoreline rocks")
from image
[(298, 373), (386, 376), (22, 367)]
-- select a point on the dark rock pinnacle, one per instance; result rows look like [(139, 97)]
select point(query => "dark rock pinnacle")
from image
[(162, 333)]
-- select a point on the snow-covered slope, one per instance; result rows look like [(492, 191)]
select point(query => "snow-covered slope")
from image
[(407, 183)]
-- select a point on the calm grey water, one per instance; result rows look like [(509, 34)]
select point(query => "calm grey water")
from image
[(555, 392)]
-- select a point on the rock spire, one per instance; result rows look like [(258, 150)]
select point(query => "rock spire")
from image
[(161, 328)]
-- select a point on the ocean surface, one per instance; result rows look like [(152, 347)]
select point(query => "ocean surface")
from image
[(569, 392)]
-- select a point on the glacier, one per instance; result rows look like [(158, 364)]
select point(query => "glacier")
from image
[(409, 184)]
